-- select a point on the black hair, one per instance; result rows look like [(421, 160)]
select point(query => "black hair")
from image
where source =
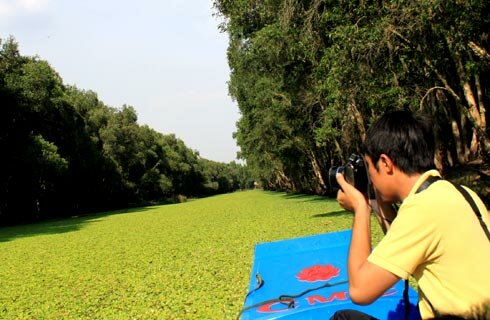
[(407, 139)]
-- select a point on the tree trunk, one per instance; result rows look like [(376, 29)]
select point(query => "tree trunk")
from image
[(481, 135), (339, 149), (359, 119), (439, 158), (459, 142), (472, 112), (476, 116), (483, 117), (481, 102), (285, 182), (480, 52), (318, 172)]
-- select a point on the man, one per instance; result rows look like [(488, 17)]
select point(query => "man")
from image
[(435, 236)]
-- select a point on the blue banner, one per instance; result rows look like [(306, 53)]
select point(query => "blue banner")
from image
[(299, 267)]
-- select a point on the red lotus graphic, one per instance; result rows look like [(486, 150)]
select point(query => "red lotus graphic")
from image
[(318, 273)]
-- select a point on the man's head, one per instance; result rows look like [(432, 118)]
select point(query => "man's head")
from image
[(405, 138)]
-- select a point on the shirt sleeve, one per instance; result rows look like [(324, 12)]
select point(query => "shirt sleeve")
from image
[(411, 240)]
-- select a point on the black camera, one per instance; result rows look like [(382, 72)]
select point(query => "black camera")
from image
[(354, 172)]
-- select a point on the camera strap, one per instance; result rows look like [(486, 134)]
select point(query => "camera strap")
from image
[(430, 180), (287, 299), (465, 194), (473, 206)]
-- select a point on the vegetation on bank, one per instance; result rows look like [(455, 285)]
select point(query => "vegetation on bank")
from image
[(310, 77), (65, 152), (182, 261)]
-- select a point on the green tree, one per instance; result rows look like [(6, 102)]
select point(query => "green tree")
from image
[(65, 152), (310, 76)]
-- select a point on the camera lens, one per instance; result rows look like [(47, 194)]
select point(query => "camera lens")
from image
[(349, 175), (354, 173), (332, 179)]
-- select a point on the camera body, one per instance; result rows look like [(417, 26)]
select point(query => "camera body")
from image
[(354, 172)]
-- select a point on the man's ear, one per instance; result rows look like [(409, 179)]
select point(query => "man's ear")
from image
[(386, 164)]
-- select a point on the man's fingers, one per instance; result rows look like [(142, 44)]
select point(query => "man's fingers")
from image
[(341, 180), (341, 198)]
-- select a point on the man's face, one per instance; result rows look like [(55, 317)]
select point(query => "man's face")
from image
[(380, 178)]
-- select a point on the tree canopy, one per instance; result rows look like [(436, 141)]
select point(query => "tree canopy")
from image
[(310, 76), (65, 152)]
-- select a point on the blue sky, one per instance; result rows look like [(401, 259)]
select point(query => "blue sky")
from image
[(165, 58)]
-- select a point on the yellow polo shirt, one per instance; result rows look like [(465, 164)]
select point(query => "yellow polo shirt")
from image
[(437, 238)]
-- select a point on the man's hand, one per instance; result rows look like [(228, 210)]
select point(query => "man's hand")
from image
[(367, 281), (349, 197)]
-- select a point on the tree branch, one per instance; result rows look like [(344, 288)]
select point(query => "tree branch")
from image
[(427, 93), (480, 52)]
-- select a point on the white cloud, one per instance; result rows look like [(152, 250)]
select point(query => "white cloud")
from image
[(32, 5), (11, 8), (6, 9)]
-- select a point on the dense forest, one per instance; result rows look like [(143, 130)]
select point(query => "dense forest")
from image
[(310, 76), (65, 152)]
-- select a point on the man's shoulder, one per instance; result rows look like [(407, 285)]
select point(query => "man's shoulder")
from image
[(438, 192)]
